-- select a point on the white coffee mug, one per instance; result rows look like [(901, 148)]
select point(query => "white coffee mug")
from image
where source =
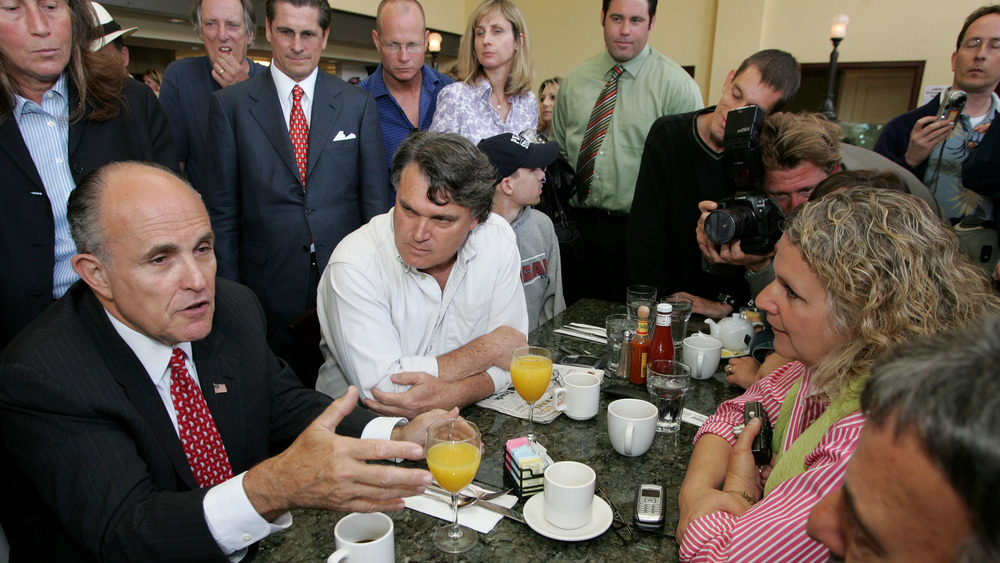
[(631, 426), (579, 397), (568, 491), (364, 538), (702, 354)]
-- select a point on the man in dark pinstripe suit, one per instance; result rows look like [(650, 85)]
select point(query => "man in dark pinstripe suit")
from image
[(95, 469)]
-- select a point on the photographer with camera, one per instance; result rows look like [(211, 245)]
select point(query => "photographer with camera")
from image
[(683, 162), (858, 272), (798, 151)]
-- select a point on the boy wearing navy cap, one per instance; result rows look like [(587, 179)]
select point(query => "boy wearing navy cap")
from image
[(520, 173)]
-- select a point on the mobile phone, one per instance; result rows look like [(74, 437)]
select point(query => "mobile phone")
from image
[(648, 513), (953, 105), (762, 442)]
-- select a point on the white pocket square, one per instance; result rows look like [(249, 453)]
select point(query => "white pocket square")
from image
[(342, 137)]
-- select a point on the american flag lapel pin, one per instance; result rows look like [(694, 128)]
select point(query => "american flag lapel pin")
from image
[(219, 388)]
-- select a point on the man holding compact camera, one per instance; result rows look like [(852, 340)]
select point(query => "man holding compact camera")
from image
[(683, 162), (934, 140)]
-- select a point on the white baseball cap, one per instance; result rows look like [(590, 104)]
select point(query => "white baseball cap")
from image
[(112, 30)]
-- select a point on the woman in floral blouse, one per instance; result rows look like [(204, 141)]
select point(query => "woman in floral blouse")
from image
[(494, 94)]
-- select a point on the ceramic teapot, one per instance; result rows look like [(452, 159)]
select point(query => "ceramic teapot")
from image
[(735, 332)]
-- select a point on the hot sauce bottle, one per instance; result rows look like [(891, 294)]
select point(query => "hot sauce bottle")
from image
[(640, 349), (663, 341)]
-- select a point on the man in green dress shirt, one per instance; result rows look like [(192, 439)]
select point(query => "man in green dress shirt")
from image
[(651, 85)]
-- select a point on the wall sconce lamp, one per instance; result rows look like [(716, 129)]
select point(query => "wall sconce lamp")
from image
[(838, 29), (434, 46)]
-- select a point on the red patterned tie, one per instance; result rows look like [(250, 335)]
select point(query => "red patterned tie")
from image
[(597, 128), (202, 444), (299, 132)]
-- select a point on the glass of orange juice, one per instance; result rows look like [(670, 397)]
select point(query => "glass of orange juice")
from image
[(531, 372), (453, 451)]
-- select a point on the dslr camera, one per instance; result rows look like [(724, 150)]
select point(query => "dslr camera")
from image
[(752, 218)]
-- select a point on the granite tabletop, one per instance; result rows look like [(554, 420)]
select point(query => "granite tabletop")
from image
[(310, 538)]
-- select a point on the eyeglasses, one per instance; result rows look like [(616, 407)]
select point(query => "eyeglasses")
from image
[(619, 524), (975, 42), (397, 47)]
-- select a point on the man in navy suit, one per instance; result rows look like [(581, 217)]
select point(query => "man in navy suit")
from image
[(277, 213), (94, 450)]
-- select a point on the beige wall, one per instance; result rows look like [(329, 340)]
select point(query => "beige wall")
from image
[(881, 30), (564, 33), (715, 35), (446, 15), (712, 35)]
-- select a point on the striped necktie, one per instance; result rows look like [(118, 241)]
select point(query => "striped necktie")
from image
[(299, 131), (597, 128)]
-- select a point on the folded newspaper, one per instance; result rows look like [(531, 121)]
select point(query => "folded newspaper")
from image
[(510, 403)]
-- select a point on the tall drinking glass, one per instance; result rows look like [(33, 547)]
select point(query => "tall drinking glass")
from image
[(667, 382), (453, 453), (615, 326), (531, 372), (638, 295), (679, 319)]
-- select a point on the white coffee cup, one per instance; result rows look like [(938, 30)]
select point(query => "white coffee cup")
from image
[(568, 491), (364, 537), (702, 354), (579, 397), (631, 426)]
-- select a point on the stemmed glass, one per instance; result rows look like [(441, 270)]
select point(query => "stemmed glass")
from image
[(453, 452), (531, 372)]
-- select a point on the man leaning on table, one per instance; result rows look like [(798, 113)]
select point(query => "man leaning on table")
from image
[(138, 410), (422, 307)]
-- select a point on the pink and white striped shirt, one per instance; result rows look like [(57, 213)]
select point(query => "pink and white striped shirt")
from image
[(774, 529)]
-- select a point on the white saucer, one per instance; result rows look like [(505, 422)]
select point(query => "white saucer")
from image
[(600, 520)]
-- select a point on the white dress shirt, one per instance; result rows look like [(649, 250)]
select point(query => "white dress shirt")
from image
[(284, 85), (231, 518), (380, 316)]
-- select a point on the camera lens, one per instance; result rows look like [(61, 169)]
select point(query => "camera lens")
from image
[(722, 226)]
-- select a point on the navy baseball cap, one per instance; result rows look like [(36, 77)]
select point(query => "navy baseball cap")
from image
[(509, 152)]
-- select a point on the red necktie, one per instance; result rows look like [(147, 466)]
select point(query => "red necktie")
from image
[(202, 444), (597, 128), (299, 131)]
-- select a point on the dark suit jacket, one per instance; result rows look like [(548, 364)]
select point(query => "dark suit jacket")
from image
[(27, 231), (981, 172), (97, 469), (262, 218), (895, 137)]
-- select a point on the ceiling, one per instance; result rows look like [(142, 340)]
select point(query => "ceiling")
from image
[(163, 24)]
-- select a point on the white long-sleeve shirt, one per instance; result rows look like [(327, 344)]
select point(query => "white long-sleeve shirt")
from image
[(380, 316)]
